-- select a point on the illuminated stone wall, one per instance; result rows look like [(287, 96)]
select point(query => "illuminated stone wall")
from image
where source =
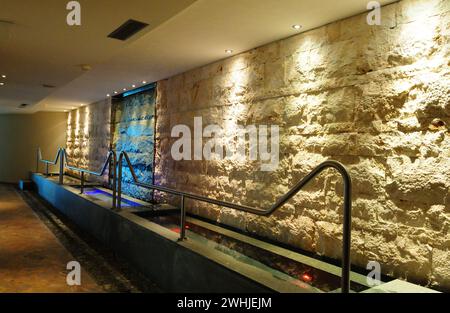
[(88, 137), (133, 131), (375, 98)]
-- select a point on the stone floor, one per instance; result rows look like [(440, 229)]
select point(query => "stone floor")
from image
[(31, 258)]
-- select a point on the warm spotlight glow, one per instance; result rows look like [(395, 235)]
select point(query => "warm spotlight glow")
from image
[(1, 84), (124, 89), (144, 82), (3, 76), (86, 122), (115, 92), (77, 125), (133, 86), (228, 51), (108, 95), (296, 26)]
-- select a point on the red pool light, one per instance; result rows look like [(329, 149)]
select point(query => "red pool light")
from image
[(175, 229), (307, 278)]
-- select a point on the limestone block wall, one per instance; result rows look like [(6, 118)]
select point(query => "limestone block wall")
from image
[(376, 98), (133, 131), (88, 137)]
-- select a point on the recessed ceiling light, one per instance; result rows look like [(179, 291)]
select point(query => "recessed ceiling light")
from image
[(296, 26), (124, 89), (228, 51), (144, 82), (133, 86), (115, 92), (1, 84), (108, 95), (3, 76), (85, 67)]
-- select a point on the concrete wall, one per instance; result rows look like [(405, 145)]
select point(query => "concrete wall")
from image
[(21, 134), (88, 137), (376, 98)]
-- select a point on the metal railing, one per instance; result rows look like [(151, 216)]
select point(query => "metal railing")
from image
[(61, 155), (345, 276), (117, 195)]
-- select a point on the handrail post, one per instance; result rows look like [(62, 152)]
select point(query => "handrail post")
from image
[(346, 234), (82, 183), (37, 160), (109, 172), (119, 183), (114, 178), (61, 166), (182, 219)]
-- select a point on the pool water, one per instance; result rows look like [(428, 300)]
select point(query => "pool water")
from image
[(96, 195)]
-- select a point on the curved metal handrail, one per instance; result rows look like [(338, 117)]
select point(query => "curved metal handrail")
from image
[(111, 156), (39, 153), (62, 155), (59, 154), (345, 277)]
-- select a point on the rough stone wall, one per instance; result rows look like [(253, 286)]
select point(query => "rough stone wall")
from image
[(88, 137), (133, 131), (376, 98)]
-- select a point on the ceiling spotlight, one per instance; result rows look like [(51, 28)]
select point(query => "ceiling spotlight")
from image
[(133, 86), (85, 67), (3, 76), (124, 89), (296, 26), (1, 84), (228, 51), (108, 95), (144, 82), (115, 92)]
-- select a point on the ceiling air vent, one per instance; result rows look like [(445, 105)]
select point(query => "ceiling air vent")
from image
[(127, 29)]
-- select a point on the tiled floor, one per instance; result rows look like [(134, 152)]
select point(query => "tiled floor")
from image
[(31, 257)]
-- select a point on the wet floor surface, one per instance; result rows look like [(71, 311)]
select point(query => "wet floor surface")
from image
[(37, 242)]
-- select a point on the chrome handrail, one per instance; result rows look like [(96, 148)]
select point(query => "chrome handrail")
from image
[(346, 240), (111, 157), (59, 154), (62, 157)]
